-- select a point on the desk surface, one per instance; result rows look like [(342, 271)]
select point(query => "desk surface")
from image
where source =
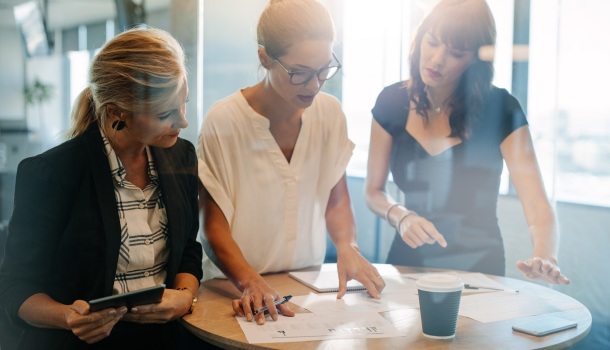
[(213, 320)]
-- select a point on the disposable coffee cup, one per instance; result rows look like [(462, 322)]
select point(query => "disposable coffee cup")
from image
[(439, 303)]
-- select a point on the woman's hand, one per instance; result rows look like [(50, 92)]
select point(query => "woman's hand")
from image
[(542, 269), (173, 305), (92, 327), (256, 295), (416, 231), (351, 265)]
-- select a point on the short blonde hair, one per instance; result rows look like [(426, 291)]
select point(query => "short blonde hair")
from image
[(285, 22), (135, 71)]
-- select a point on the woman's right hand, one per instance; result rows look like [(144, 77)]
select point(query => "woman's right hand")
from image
[(256, 295), (92, 327), (416, 231)]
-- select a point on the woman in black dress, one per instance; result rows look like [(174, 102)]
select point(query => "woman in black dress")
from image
[(444, 134)]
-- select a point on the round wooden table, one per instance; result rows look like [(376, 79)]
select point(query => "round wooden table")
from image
[(213, 320)]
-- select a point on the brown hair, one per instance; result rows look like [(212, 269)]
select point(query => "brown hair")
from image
[(134, 71), (284, 22), (465, 25)]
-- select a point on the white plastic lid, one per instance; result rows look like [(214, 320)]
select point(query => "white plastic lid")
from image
[(437, 282)]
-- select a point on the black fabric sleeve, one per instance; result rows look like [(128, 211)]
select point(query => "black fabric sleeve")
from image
[(501, 116), (391, 108), (193, 253), (513, 117), (177, 166), (35, 229)]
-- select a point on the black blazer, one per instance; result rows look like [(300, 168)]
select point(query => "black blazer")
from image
[(64, 234)]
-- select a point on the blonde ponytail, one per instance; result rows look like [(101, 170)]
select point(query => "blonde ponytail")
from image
[(136, 71), (83, 114)]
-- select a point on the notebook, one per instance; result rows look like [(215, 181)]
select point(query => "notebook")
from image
[(324, 281)]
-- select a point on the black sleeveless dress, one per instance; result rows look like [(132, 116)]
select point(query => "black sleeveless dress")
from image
[(457, 190)]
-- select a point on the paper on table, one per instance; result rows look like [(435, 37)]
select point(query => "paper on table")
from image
[(356, 302), (473, 278), (322, 326), (400, 293), (491, 307), (401, 283), (324, 281), (327, 281), (479, 279)]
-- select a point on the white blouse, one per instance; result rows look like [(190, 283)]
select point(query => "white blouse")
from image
[(276, 209)]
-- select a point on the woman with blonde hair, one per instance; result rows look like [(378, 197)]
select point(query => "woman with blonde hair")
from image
[(111, 210), (272, 158)]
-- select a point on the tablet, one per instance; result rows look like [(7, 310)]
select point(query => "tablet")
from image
[(144, 296), (544, 326)]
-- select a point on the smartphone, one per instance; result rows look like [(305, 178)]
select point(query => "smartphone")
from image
[(544, 326), (144, 296)]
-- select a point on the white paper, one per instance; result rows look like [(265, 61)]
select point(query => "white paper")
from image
[(318, 326), (491, 307), (401, 283), (479, 279), (357, 302), (400, 293), (324, 281), (472, 278)]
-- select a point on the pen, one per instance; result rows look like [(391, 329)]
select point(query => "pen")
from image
[(470, 286), (276, 303)]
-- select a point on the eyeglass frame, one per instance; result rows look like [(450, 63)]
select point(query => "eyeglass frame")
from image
[(313, 73)]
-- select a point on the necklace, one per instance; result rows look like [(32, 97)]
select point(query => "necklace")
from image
[(436, 110)]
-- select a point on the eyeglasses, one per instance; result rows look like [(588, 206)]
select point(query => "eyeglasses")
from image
[(302, 77)]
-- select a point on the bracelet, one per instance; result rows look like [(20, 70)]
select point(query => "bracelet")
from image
[(387, 212), (194, 300), (409, 212)]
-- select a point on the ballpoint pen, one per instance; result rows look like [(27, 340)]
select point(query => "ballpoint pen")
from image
[(470, 286), (276, 303)]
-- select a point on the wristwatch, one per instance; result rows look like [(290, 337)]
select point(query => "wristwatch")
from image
[(193, 302)]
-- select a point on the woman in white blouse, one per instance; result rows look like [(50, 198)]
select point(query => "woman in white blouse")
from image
[(272, 158)]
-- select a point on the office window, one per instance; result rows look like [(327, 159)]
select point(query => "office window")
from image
[(96, 35), (69, 40), (567, 88)]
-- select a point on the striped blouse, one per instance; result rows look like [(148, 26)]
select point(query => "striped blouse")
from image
[(144, 232)]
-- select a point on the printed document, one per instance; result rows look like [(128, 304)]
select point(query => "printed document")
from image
[(318, 326)]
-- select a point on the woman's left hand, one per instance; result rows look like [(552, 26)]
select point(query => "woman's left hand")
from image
[(173, 305), (542, 269), (351, 265)]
